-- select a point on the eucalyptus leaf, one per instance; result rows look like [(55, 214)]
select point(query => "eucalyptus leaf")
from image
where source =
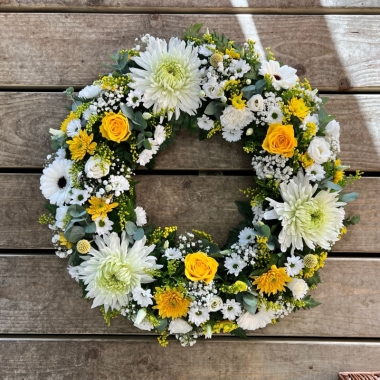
[(349, 197), (334, 186), (162, 326), (251, 87), (140, 120), (211, 108), (251, 309), (74, 234), (130, 227), (250, 299), (127, 111), (123, 61), (76, 211), (90, 228), (139, 234)]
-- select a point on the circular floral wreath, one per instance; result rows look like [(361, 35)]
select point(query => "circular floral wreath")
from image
[(190, 287)]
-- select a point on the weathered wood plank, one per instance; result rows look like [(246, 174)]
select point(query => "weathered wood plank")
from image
[(261, 6), (223, 359), (335, 52), (27, 117), (48, 301), (205, 203)]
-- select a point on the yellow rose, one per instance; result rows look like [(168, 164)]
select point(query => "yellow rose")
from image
[(280, 140), (200, 267), (115, 127)]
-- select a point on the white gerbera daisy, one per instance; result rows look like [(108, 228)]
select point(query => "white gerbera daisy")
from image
[(90, 92), (103, 226), (239, 67), (134, 98), (112, 271), (198, 315), (56, 182), (205, 123), (315, 172), (173, 254), (234, 264), (232, 135), (233, 118), (79, 196), (275, 115), (259, 320), (231, 309), (316, 220), (282, 77), (247, 236), (294, 265), (168, 76), (140, 216), (73, 127), (142, 297)]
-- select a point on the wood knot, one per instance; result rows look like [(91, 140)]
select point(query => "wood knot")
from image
[(186, 184), (344, 84), (155, 21), (301, 69), (92, 353)]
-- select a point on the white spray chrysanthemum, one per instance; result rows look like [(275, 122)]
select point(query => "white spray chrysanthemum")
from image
[(314, 220), (168, 76), (114, 270)]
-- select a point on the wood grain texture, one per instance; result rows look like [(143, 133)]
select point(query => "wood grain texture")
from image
[(335, 52), (144, 359), (48, 301), (27, 118), (201, 202), (270, 6)]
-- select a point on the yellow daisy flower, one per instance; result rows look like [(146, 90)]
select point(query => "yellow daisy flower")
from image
[(238, 102), (272, 281), (338, 174), (298, 108), (67, 121), (81, 144), (99, 207), (171, 303)]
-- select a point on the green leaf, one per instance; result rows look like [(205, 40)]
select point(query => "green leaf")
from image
[(313, 280), (251, 87), (322, 114), (240, 333), (76, 211), (249, 299), (51, 208), (139, 234), (127, 111), (90, 228), (334, 186), (74, 234), (211, 108), (245, 209), (310, 303), (140, 120), (349, 197), (123, 61), (354, 219), (260, 84), (162, 326), (130, 227), (147, 145)]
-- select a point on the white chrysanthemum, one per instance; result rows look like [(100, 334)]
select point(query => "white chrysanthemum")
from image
[(134, 98), (56, 182), (90, 92), (73, 127), (79, 196), (112, 271), (234, 264), (315, 172), (91, 110), (145, 156), (282, 77), (319, 150), (61, 153), (259, 320), (173, 254), (168, 76), (179, 326), (247, 236), (103, 226), (275, 115), (232, 135), (298, 287), (140, 216), (233, 118), (205, 123), (142, 297), (231, 310), (60, 215), (315, 220), (73, 272), (198, 315), (256, 103), (239, 67), (294, 265)]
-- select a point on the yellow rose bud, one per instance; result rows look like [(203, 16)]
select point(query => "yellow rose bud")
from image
[(280, 140), (115, 127), (200, 267)]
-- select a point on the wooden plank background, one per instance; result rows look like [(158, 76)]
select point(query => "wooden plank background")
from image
[(46, 330)]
